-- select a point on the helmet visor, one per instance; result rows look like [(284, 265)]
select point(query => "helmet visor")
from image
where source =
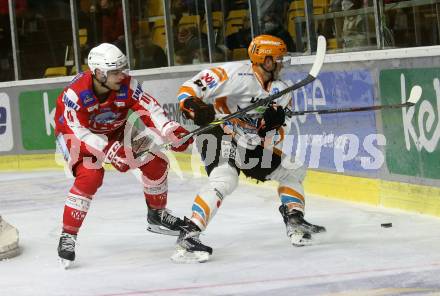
[(124, 70)]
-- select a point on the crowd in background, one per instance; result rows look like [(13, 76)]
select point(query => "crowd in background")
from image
[(44, 30)]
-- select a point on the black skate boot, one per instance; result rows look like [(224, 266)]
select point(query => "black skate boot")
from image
[(161, 221), (189, 248), (66, 249), (299, 230)]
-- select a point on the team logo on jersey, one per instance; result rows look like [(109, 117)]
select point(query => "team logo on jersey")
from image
[(69, 103), (210, 80), (87, 98), (106, 117), (275, 90), (120, 104), (122, 94)]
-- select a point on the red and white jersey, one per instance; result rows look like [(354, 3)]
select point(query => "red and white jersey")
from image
[(79, 112), (231, 87)]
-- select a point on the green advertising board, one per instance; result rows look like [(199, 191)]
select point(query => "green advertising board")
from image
[(37, 110), (412, 133)]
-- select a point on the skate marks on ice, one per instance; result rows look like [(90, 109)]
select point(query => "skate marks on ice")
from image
[(115, 255)]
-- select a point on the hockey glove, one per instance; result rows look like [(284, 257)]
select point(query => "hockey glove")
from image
[(174, 132), (273, 118), (115, 154), (197, 110)]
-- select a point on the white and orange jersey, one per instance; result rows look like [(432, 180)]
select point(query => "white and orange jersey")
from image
[(231, 87), (80, 113)]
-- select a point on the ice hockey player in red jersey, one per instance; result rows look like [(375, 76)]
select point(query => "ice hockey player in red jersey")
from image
[(250, 144), (92, 129)]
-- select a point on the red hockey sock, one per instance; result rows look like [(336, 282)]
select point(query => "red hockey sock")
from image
[(75, 210), (155, 182), (87, 182)]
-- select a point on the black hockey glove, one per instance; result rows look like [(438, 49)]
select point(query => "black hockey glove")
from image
[(273, 118), (197, 110)]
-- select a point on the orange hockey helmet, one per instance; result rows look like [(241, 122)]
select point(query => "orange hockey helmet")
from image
[(264, 46)]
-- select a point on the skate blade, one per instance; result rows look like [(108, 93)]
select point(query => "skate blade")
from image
[(183, 256), (65, 264), (162, 230)]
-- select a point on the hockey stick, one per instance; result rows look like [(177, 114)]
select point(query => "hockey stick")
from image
[(314, 71), (414, 97)]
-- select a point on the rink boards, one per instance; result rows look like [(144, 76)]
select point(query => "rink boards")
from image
[(389, 158)]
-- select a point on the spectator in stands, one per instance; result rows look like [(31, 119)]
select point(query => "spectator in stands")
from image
[(178, 8), (329, 27), (6, 69), (191, 40), (279, 7), (147, 54), (242, 38), (110, 20), (354, 27), (183, 57), (272, 26)]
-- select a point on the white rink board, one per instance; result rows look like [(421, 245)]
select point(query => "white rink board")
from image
[(252, 256)]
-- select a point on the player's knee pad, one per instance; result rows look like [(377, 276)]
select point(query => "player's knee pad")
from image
[(224, 179), (88, 181), (288, 175)]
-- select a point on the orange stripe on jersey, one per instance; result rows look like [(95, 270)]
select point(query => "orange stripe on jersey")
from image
[(188, 90), (281, 132), (200, 202), (221, 73), (221, 106), (277, 151), (291, 192)]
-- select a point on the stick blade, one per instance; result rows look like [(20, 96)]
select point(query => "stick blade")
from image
[(320, 55), (415, 95)]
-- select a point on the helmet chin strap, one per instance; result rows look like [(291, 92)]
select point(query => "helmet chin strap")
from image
[(102, 82)]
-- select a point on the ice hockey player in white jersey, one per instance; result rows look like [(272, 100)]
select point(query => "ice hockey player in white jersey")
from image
[(8, 240), (249, 145)]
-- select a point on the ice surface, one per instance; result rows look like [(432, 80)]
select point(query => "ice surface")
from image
[(252, 255)]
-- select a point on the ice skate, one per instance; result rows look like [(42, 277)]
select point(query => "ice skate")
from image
[(66, 249), (189, 248), (299, 230), (161, 221)]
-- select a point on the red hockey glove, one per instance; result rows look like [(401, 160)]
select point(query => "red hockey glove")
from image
[(115, 154), (197, 110), (273, 118), (174, 132)]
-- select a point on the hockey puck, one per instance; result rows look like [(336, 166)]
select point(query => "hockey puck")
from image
[(386, 225)]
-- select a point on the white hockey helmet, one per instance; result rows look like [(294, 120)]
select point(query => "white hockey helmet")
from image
[(106, 57)]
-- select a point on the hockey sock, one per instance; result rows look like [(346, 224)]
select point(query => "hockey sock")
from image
[(291, 198), (75, 210), (87, 182), (154, 178)]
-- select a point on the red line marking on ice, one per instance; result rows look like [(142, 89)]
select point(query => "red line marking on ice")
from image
[(165, 290)]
